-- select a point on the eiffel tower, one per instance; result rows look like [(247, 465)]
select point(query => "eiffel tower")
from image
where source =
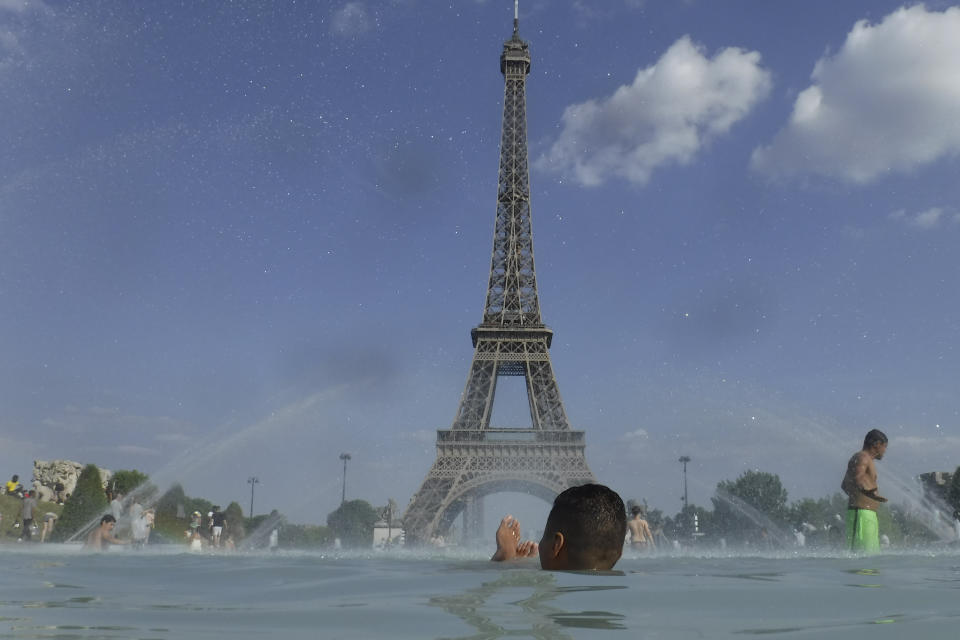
[(473, 458)]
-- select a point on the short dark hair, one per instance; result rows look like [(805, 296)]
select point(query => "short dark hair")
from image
[(874, 436), (107, 518), (594, 523)]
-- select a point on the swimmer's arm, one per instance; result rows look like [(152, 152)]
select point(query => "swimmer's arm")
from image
[(872, 494)]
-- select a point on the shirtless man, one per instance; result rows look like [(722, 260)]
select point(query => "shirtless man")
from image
[(103, 533), (584, 532), (641, 538), (860, 484)]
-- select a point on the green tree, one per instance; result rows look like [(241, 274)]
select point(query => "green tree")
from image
[(125, 481), (306, 536), (754, 501), (234, 527), (822, 515), (905, 526), (84, 506), (819, 513), (655, 519), (353, 522), (170, 501), (202, 505), (691, 519)]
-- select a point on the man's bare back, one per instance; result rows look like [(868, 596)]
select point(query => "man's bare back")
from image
[(640, 534)]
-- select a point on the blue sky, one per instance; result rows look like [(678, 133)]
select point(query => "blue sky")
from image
[(240, 238)]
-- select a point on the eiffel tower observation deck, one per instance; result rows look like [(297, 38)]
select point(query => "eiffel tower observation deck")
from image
[(473, 458)]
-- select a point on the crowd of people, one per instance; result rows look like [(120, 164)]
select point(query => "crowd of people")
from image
[(134, 521), (210, 533), (586, 528), (126, 521)]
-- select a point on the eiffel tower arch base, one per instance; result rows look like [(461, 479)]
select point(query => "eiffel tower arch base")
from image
[(474, 459), (473, 464)]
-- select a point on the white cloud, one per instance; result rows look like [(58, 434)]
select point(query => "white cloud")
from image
[(351, 19), (9, 42), (23, 6), (17, 6), (926, 445), (174, 438), (886, 102), (928, 219), (638, 434), (137, 450), (931, 218), (664, 117)]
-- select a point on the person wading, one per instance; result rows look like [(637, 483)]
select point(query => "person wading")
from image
[(860, 485)]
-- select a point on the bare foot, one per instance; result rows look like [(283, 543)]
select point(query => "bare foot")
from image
[(509, 546)]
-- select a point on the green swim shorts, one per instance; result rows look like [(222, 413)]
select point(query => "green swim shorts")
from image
[(863, 532)]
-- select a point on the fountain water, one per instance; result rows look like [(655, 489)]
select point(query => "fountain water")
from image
[(778, 536)]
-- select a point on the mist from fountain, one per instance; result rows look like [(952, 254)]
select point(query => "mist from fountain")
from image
[(762, 521), (216, 444)]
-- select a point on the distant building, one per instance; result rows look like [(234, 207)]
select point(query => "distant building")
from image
[(387, 536)]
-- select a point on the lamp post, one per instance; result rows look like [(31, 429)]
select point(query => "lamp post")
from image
[(252, 481), (389, 522), (343, 496), (684, 460)]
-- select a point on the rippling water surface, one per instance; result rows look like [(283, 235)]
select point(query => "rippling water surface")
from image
[(58, 592)]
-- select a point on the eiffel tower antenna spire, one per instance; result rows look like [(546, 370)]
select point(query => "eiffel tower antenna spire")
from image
[(475, 459), (516, 18)]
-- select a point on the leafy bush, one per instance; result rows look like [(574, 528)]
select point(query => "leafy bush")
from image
[(84, 506), (306, 536), (234, 527), (169, 502), (125, 481), (754, 502), (353, 523)]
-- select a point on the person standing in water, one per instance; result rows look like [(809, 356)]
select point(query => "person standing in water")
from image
[(860, 484), (103, 534), (218, 520), (641, 538)]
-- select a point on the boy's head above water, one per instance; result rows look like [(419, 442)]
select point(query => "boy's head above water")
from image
[(584, 531)]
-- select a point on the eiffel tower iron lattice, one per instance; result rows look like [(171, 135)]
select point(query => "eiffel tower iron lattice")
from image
[(473, 458)]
